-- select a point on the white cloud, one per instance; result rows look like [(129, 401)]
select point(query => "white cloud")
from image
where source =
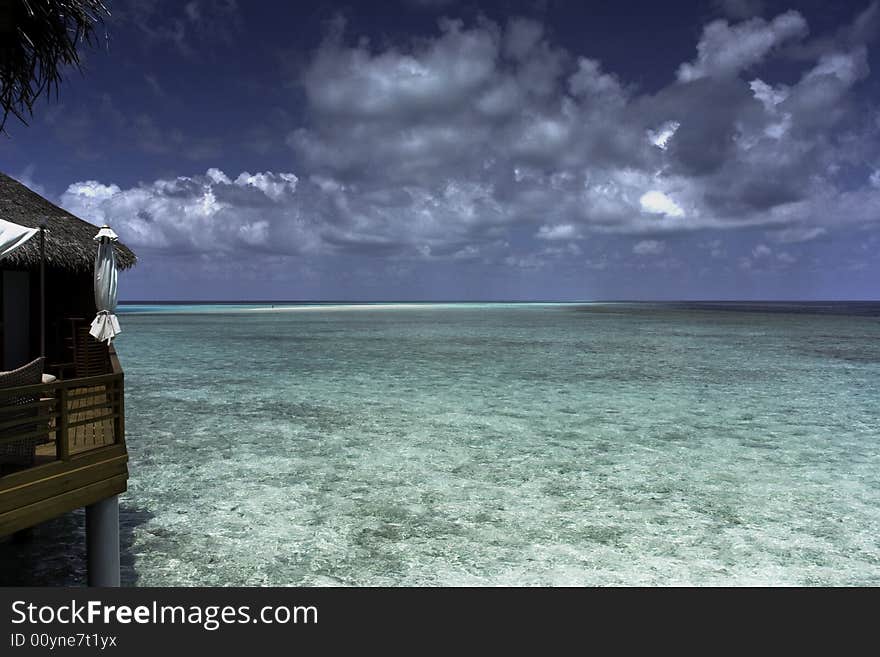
[(847, 67), (768, 96), (763, 258), (433, 77), (207, 213), (762, 251), (217, 176), (660, 137), (798, 234), (91, 197), (649, 247), (481, 136), (590, 80), (656, 202), (715, 248), (558, 140), (92, 189), (272, 186), (558, 232), (725, 50)]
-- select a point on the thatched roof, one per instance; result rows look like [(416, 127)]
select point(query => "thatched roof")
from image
[(69, 239)]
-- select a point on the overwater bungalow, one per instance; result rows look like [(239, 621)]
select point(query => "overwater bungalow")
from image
[(62, 394)]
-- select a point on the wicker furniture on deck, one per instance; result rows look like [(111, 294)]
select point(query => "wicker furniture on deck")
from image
[(21, 417)]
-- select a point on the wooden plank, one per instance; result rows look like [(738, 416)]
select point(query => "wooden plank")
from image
[(62, 483), (43, 388), (32, 389), (17, 408), (92, 420), (76, 394), (26, 419), (87, 381), (34, 514), (73, 466), (104, 405), (47, 470), (34, 433)]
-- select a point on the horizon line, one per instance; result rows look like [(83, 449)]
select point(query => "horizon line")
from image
[(423, 301)]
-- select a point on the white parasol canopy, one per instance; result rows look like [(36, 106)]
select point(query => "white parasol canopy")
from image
[(13, 236), (105, 326)]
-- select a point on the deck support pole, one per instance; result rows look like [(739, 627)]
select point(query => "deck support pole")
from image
[(102, 542)]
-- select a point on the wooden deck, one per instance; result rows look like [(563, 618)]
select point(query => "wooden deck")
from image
[(69, 440)]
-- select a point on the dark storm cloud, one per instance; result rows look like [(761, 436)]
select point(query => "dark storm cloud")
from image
[(490, 142), (709, 112)]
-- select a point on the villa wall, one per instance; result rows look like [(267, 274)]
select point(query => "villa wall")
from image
[(67, 296), (16, 326)]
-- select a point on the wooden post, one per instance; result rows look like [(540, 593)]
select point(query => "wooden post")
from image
[(62, 447), (119, 398), (120, 390), (43, 287)]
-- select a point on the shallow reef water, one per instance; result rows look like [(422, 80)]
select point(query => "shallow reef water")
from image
[(542, 444)]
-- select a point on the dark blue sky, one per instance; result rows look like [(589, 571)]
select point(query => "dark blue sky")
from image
[(431, 149)]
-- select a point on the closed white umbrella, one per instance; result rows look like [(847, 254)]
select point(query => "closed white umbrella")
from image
[(105, 326), (13, 236)]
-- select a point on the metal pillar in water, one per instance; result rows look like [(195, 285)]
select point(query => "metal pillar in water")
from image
[(102, 542)]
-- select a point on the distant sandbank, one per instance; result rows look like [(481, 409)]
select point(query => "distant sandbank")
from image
[(346, 307)]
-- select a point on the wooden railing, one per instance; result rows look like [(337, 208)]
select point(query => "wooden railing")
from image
[(71, 416), (62, 446)]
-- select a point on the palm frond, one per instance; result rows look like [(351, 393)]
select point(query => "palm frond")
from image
[(38, 40)]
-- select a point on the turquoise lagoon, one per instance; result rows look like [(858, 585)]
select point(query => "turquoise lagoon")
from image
[(493, 444)]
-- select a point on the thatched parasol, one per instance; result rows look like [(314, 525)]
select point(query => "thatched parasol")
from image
[(69, 239)]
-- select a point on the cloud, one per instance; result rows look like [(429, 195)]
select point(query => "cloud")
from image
[(492, 143), (798, 234), (656, 202), (725, 50), (763, 258), (210, 213), (660, 137), (354, 83), (649, 247), (762, 251), (559, 232)]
